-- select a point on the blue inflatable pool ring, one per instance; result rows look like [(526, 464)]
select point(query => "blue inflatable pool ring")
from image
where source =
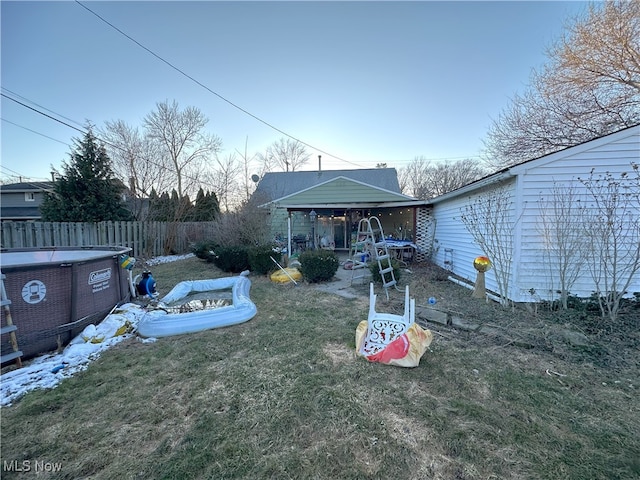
[(432, 300)]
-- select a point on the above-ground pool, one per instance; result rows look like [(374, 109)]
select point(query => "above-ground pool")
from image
[(56, 292)]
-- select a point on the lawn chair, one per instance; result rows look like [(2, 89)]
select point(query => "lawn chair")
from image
[(384, 328)]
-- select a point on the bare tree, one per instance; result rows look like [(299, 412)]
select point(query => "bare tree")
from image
[(224, 181), (602, 52), (612, 229), (183, 142), (287, 154), (448, 176), (409, 177), (589, 87), (246, 225), (136, 159), (489, 218), (246, 161), (560, 226), (425, 179)]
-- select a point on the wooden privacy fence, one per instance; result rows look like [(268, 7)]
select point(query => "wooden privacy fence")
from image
[(147, 239)]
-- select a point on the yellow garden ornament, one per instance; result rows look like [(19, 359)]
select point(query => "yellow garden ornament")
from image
[(481, 264)]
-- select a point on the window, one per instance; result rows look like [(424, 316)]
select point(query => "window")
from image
[(29, 197)]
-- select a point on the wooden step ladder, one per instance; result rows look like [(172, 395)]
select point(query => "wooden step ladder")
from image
[(370, 245), (9, 328)]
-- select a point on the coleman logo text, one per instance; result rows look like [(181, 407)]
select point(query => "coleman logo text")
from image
[(99, 276)]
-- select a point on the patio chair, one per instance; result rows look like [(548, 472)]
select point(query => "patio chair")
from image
[(384, 328)]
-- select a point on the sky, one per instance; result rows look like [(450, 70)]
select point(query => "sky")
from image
[(360, 83)]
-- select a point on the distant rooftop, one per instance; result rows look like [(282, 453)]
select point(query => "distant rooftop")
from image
[(26, 186), (280, 184)]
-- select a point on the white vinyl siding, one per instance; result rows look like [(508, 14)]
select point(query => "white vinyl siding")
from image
[(531, 181), (533, 269), (451, 234)]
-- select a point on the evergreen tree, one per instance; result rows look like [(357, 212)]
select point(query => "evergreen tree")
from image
[(174, 206), (88, 190), (198, 211), (185, 210), (154, 198), (163, 207), (206, 208), (213, 206)]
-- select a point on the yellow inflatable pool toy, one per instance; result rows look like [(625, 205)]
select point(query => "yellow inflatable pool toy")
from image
[(279, 276)]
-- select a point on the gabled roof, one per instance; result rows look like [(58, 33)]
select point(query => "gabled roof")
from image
[(578, 148), (276, 185), (341, 192), (515, 170)]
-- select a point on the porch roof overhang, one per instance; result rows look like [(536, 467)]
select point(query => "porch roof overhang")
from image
[(351, 205)]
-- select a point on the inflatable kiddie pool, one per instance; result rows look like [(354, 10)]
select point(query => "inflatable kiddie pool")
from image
[(161, 323)]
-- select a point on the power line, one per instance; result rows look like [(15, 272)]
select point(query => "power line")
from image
[(210, 90), (42, 113), (33, 131), (66, 124), (20, 176), (434, 159), (38, 105), (201, 85), (117, 147)]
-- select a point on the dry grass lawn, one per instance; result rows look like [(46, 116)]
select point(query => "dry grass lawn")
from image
[(284, 396)]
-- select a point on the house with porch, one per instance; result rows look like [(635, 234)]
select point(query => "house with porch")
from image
[(322, 209)]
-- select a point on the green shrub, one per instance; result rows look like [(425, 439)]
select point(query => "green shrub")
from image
[(232, 259), (375, 270), (260, 259), (318, 265), (205, 250)]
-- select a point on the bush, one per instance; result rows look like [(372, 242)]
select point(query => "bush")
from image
[(318, 265), (232, 259), (375, 270), (260, 261), (205, 250)]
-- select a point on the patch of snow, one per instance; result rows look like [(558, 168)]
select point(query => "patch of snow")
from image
[(147, 340), (168, 259), (49, 370)]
